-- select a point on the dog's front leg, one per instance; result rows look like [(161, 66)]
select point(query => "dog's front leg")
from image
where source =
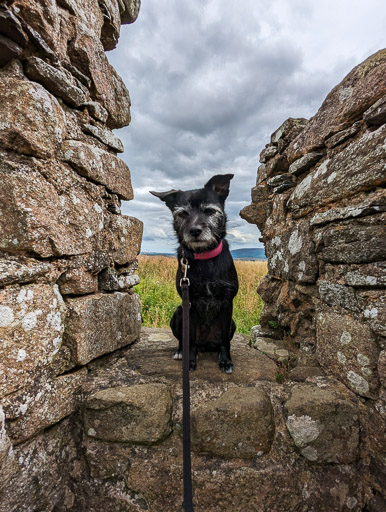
[(224, 354)]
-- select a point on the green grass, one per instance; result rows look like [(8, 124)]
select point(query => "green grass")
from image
[(159, 297)]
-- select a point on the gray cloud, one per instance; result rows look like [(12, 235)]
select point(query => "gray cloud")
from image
[(210, 81)]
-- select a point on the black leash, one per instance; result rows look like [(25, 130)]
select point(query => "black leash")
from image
[(187, 467)]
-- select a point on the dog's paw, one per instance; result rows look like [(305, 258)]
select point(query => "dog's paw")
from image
[(192, 365), (178, 355), (226, 366)]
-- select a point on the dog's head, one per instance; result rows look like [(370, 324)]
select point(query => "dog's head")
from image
[(198, 215)]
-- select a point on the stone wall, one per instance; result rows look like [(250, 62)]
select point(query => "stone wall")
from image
[(67, 255), (320, 203)]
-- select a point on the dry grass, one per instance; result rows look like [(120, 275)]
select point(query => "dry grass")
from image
[(159, 296)]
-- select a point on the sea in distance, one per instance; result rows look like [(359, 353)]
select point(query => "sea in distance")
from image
[(251, 254)]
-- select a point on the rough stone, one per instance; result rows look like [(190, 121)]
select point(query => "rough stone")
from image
[(62, 224), (22, 271), (376, 114), (342, 176), (56, 81), (96, 110), (289, 130), (323, 424), (139, 414), (112, 280), (42, 403), (304, 163), (112, 23), (291, 255), (267, 153), (7, 456), (9, 50), (274, 349), (360, 89), (32, 120), (126, 236), (336, 294), (366, 204), (87, 53), (281, 182), (367, 275), (41, 472), (374, 309), (25, 313), (239, 424), (78, 281), (130, 11), (106, 136), (353, 242), (99, 166), (347, 349), (342, 136), (101, 323), (11, 28)]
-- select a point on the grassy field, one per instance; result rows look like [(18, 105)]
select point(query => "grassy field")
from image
[(159, 296)]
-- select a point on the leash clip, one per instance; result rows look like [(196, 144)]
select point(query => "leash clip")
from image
[(184, 266)]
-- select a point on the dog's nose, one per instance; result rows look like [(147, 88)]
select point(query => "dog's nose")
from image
[(195, 231)]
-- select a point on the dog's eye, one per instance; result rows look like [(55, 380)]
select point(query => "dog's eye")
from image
[(183, 214), (209, 211)]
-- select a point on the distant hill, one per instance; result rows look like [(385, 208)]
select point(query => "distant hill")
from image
[(238, 254), (249, 254)]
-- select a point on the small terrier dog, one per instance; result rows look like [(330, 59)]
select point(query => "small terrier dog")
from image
[(199, 221)]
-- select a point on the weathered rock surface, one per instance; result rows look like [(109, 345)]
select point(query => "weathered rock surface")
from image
[(325, 288), (101, 323), (323, 424), (67, 255)]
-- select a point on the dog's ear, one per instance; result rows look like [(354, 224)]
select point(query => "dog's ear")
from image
[(168, 197), (220, 185)]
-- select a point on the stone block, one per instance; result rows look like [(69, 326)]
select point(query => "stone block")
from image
[(42, 403), (58, 82), (365, 204), (11, 28), (239, 424), (78, 281), (352, 242), (104, 135), (369, 275), (111, 279), (41, 473), (99, 166), (7, 456), (335, 294), (268, 153), (31, 329), (374, 309), (9, 50), (112, 23), (32, 120), (323, 424), (138, 414), (304, 163), (130, 12), (360, 89), (101, 323), (346, 348), (107, 460), (276, 350), (281, 182), (376, 114), (342, 176), (87, 54), (291, 255), (47, 209), (126, 238), (22, 270), (342, 136), (289, 130)]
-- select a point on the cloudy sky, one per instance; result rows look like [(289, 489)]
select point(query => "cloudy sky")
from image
[(210, 80)]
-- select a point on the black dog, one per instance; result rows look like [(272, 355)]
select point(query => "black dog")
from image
[(199, 221)]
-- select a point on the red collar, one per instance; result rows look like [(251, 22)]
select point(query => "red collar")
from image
[(207, 255)]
